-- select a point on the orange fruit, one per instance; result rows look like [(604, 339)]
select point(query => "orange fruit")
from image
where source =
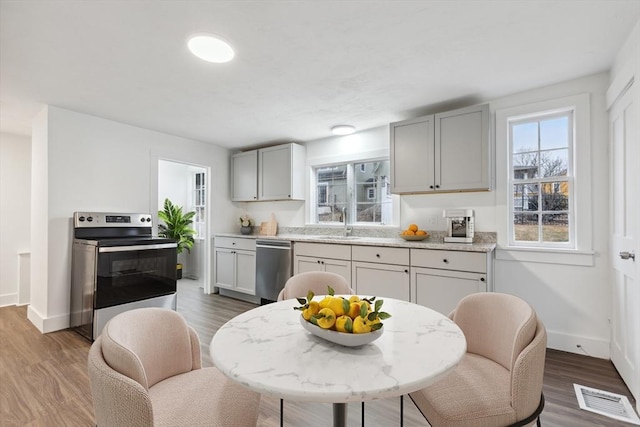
[(421, 233), (412, 227), (409, 233)]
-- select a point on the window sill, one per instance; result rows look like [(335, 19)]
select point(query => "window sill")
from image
[(546, 256)]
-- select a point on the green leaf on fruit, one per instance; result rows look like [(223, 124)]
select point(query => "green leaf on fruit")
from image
[(378, 305), (345, 305), (363, 311), (348, 325), (302, 301), (372, 316), (310, 296), (376, 326), (331, 290), (383, 315)]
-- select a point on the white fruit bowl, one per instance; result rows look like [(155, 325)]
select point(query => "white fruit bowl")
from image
[(341, 338)]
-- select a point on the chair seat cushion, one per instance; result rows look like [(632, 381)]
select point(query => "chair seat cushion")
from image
[(203, 397), (476, 393)]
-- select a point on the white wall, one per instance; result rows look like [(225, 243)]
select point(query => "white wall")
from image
[(83, 162), (173, 183), (15, 211)]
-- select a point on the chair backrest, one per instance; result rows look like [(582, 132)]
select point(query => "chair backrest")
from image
[(528, 374), (149, 345), (497, 326), (317, 281)]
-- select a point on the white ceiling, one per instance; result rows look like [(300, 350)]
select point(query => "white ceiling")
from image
[(300, 67)]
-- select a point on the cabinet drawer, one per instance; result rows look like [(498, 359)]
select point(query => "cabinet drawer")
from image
[(398, 256), (235, 243), (323, 250), (449, 260)]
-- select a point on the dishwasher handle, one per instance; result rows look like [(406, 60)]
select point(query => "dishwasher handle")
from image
[(273, 244)]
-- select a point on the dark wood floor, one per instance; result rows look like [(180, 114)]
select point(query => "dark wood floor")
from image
[(44, 381)]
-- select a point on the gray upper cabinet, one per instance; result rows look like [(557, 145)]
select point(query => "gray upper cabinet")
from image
[(442, 152), (244, 176), (272, 173), (412, 155)]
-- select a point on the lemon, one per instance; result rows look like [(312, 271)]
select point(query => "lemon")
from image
[(325, 318), (359, 326), (337, 304), (344, 324), (354, 298), (354, 310), (324, 303), (313, 308)]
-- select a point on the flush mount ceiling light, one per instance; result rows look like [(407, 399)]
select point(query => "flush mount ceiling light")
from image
[(343, 130), (210, 48)]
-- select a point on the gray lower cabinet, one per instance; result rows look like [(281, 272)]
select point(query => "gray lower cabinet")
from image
[(437, 279), (442, 289), (381, 272), (440, 279), (332, 258), (235, 264)]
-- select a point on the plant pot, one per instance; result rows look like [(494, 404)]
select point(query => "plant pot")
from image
[(245, 230), (178, 271)]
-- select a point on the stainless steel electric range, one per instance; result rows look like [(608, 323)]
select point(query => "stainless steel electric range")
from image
[(117, 265)]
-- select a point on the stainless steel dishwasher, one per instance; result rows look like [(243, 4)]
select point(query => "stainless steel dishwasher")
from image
[(273, 268)]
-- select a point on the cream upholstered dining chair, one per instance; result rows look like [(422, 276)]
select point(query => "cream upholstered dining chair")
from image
[(498, 382), (316, 281), (145, 370)]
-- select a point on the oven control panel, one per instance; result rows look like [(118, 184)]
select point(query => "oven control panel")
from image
[(109, 219)]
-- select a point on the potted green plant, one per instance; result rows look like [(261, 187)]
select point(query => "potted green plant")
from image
[(177, 226)]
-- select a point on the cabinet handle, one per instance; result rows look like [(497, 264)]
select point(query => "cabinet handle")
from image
[(318, 261), (437, 186), (322, 262), (446, 261), (406, 271), (378, 255), (431, 187), (482, 279)]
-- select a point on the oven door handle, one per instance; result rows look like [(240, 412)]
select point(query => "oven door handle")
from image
[(137, 247)]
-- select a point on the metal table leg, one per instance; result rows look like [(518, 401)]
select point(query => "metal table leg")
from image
[(339, 415)]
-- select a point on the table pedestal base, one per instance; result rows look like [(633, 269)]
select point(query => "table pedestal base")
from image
[(339, 415)]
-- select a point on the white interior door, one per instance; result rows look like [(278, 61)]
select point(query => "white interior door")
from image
[(625, 218)]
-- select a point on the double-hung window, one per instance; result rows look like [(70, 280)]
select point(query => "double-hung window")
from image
[(541, 179), (359, 189)]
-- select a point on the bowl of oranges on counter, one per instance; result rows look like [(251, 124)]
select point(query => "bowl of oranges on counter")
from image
[(350, 321), (412, 232)]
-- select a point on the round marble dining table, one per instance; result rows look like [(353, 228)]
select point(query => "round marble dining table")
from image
[(267, 350)]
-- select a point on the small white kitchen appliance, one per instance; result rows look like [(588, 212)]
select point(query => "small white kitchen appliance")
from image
[(460, 225)]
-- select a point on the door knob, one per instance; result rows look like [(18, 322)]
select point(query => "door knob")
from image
[(627, 255)]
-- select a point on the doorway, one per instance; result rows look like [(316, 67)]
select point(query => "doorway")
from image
[(186, 185)]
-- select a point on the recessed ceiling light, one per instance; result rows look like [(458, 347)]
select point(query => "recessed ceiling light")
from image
[(210, 48), (343, 130)]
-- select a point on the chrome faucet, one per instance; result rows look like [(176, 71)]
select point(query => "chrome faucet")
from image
[(347, 230)]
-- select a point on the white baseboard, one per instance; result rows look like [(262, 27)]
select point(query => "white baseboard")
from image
[(50, 324), (587, 346), (8, 299)]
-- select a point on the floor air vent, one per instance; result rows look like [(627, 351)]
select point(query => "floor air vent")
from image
[(605, 403)]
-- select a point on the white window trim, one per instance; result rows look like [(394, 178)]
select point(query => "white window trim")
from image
[(582, 253), (368, 156), (571, 244)]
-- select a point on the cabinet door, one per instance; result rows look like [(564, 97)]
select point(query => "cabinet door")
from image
[(302, 264), (274, 173), (462, 149), (338, 266), (225, 268), (381, 280), (412, 155), (244, 176), (246, 272), (441, 289)]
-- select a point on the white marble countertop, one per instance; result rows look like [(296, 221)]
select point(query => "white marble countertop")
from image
[(267, 350), (373, 241)]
